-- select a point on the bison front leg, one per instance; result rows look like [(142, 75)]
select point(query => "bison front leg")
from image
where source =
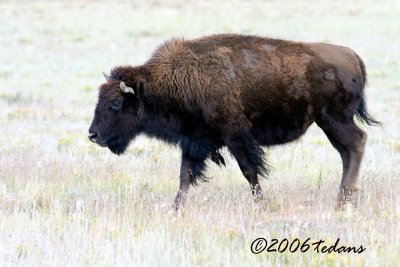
[(250, 158), (185, 178), (191, 168)]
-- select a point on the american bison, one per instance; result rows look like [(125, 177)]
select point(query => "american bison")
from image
[(238, 91)]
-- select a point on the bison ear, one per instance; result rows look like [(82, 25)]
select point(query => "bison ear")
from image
[(140, 88), (125, 88)]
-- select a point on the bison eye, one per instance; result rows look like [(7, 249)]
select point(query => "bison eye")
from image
[(116, 105)]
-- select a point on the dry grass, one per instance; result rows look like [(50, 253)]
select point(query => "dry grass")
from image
[(64, 201)]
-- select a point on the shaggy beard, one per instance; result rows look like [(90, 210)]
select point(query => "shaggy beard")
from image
[(118, 149), (119, 145)]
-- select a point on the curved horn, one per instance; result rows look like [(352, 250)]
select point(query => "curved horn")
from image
[(125, 89), (107, 77)]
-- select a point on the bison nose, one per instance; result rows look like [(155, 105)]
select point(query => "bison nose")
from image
[(92, 136)]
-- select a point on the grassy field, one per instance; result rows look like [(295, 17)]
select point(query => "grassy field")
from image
[(67, 202)]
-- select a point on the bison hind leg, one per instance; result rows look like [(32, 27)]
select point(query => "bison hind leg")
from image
[(349, 140)]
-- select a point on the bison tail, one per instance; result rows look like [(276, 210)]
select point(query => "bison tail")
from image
[(362, 111), (363, 115)]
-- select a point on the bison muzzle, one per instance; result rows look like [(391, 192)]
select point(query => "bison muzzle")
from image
[(242, 92)]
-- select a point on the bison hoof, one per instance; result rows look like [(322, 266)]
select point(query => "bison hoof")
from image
[(258, 198), (348, 195)]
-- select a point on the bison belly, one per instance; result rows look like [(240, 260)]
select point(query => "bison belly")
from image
[(274, 126)]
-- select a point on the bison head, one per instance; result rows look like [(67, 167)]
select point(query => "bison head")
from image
[(117, 116)]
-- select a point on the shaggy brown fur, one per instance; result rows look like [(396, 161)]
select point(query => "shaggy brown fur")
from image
[(238, 91)]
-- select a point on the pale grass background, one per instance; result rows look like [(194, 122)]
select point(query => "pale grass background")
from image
[(65, 201)]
